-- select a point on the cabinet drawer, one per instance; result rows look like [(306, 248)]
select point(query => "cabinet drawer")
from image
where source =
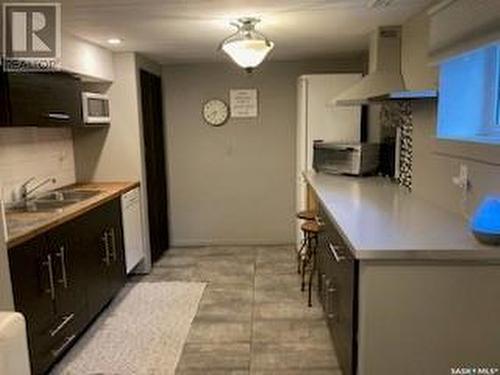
[(52, 344)]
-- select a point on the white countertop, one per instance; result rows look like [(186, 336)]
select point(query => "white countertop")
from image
[(380, 220)]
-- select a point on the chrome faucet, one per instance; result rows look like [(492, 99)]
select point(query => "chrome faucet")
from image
[(25, 192)]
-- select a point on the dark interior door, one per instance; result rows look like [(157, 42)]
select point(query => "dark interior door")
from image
[(156, 179)]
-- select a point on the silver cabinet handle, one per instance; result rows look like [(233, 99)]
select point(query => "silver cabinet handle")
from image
[(113, 244), (66, 320), (62, 257), (324, 285), (106, 248), (333, 249), (331, 310), (52, 288), (65, 344), (58, 116)]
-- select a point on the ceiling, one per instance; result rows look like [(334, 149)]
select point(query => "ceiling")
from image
[(178, 31)]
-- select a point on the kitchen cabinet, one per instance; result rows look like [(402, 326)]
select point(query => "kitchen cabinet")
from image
[(405, 287), (40, 99), (337, 292), (63, 278), (105, 256), (32, 284)]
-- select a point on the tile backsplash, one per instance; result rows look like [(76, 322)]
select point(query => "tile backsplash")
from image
[(35, 152)]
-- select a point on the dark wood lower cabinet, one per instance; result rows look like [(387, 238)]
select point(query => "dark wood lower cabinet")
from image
[(104, 256), (338, 293), (64, 278)]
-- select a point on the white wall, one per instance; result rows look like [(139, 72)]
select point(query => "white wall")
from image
[(44, 152), (115, 153), (87, 59), (35, 152), (234, 184), (417, 72), (436, 162)]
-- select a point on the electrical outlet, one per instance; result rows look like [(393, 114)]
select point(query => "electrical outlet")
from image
[(462, 180), (464, 174)]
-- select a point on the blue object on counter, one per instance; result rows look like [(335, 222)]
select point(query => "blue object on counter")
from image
[(485, 223)]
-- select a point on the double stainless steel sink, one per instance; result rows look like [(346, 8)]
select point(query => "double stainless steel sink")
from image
[(53, 201)]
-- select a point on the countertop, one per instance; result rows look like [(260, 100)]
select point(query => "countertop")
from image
[(380, 220), (22, 226)]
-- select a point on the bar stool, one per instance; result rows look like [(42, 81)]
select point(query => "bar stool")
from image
[(311, 231), (307, 215)]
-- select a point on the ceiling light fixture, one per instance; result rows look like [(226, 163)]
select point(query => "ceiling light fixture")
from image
[(247, 47), (114, 41)]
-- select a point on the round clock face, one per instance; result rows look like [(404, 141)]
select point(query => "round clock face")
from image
[(215, 112)]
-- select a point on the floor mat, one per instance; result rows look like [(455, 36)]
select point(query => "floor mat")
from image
[(142, 332)]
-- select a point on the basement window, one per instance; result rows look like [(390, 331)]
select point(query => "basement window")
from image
[(469, 97)]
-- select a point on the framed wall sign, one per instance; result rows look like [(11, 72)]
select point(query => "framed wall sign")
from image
[(244, 103)]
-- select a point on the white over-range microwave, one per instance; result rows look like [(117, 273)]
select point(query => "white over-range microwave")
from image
[(95, 109)]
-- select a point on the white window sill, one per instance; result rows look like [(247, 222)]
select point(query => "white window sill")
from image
[(482, 149), (483, 139)]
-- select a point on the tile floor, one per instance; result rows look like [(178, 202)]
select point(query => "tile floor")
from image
[(252, 318)]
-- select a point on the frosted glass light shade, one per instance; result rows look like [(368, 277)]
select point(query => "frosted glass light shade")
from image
[(248, 53)]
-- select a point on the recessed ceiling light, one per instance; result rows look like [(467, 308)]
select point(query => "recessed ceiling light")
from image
[(114, 40), (379, 3)]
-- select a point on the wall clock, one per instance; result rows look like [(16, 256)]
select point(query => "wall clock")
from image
[(215, 112)]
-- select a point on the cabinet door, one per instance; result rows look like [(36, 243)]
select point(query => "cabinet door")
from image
[(33, 284), (116, 268), (70, 279), (321, 266), (4, 101), (342, 298), (44, 99), (102, 242), (94, 258)]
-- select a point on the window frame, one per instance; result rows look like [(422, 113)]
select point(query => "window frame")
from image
[(491, 131), (496, 122)]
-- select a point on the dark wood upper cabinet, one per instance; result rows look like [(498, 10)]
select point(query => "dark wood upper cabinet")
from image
[(48, 99)]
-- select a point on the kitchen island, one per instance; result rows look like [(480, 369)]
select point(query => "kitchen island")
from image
[(405, 286)]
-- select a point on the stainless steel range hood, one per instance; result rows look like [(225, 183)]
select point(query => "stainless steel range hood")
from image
[(385, 81)]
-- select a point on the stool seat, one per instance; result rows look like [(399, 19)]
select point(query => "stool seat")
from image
[(310, 227), (307, 215)]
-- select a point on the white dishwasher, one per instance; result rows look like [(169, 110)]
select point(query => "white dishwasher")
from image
[(132, 228)]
